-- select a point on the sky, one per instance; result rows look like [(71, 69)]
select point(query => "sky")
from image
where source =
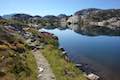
[(53, 7)]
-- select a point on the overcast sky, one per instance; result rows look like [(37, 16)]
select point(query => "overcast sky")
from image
[(53, 7)]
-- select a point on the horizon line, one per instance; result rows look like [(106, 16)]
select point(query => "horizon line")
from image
[(53, 14)]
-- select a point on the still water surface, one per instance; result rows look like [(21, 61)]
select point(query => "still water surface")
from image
[(101, 52)]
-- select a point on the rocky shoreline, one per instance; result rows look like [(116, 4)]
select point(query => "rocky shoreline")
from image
[(86, 68), (32, 39)]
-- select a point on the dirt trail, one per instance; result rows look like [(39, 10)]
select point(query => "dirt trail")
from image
[(44, 70)]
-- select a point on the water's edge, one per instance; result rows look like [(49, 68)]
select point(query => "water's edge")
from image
[(90, 65)]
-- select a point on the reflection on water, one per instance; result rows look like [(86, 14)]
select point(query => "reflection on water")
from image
[(89, 30), (100, 52), (95, 30)]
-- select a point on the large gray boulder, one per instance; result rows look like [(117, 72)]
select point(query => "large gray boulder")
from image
[(74, 19)]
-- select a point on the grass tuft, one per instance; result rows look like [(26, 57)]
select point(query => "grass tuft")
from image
[(62, 69)]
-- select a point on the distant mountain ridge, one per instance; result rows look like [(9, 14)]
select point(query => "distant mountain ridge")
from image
[(89, 11), (91, 16), (8, 16), (1, 17), (86, 11)]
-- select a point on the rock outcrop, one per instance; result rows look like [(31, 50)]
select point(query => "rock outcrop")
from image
[(86, 11), (73, 19), (99, 17)]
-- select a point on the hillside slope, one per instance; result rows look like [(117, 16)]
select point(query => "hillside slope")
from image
[(15, 59)]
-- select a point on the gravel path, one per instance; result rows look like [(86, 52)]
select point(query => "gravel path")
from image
[(44, 70)]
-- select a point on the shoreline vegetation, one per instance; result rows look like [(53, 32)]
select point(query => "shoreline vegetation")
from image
[(57, 57), (62, 68), (22, 62)]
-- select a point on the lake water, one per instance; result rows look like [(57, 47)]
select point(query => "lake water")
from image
[(101, 52)]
